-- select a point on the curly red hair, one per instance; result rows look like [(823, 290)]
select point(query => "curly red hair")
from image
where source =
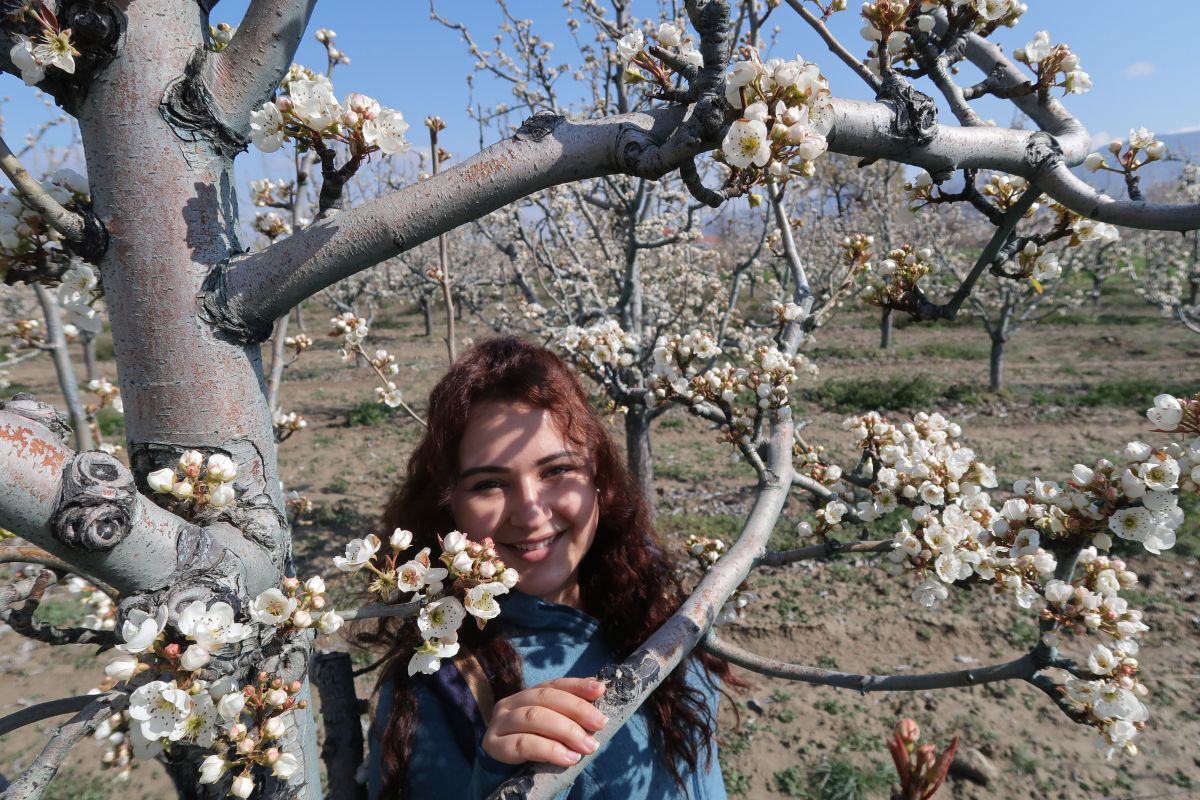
[(626, 576)]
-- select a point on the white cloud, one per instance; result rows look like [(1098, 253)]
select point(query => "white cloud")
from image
[(1100, 140), (1139, 69), (1184, 129)]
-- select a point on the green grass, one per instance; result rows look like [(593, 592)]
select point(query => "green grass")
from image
[(369, 413), (736, 782), (110, 421), (838, 779), (338, 486), (105, 350), (878, 394), (59, 611), (69, 784), (960, 351), (1133, 393)]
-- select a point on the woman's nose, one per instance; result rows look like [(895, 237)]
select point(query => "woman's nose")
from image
[(529, 508)]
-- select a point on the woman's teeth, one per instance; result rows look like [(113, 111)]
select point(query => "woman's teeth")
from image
[(529, 548)]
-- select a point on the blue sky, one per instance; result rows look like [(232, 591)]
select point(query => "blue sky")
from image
[(1143, 64)]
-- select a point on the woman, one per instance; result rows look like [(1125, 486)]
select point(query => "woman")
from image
[(514, 452)]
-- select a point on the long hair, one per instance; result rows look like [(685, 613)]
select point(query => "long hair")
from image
[(626, 577)]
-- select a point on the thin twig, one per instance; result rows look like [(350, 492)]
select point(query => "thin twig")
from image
[(68, 223), (835, 46)]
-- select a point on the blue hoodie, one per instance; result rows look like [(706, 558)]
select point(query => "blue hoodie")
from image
[(553, 641)]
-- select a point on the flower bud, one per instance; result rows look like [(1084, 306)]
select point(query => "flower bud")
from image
[(274, 727), (161, 480)]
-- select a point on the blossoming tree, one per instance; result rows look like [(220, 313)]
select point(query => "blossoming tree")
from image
[(192, 540)]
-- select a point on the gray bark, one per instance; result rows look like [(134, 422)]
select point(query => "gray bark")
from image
[(885, 329), (638, 451), (996, 364), (68, 383)]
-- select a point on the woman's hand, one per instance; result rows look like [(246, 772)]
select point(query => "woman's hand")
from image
[(553, 722)]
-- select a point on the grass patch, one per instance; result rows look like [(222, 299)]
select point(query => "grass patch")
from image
[(878, 394), (110, 421), (59, 611), (736, 782), (842, 779), (69, 784), (717, 526), (105, 350), (960, 351), (1135, 393), (338, 486), (369, 413)]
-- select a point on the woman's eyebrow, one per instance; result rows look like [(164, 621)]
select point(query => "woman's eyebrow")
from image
[(493, 468)]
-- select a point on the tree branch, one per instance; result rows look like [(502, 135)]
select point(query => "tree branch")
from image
[(1021, 668), (835, 46), (244, 74), (70, 224), (85, 509), (246, 297), (41, 711), (33, 781), (827, 549)]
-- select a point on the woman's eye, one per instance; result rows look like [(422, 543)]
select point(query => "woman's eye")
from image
[(561, 469), (484, 486)]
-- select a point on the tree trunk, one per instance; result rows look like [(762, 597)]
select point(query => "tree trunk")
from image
[(996, 365), (638, 452), (91, 369), (885, 329), (67, 382), (427, 312), (278, 361)]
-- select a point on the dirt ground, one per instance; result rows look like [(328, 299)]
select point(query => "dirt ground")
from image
[(852, 615)]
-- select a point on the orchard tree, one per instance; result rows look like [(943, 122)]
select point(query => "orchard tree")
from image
[(192, 542)]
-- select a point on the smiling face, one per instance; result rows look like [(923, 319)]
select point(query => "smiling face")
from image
[(524, 484)]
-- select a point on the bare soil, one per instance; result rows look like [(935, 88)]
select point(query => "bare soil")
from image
[(852, 615)]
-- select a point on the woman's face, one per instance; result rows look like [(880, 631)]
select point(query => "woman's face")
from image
[(522, 483)]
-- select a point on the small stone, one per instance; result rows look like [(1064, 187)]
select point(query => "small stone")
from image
[(973, 765)]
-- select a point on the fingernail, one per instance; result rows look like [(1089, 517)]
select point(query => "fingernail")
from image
[(591, 744), (573, 757), (602, 720), (598, 685)]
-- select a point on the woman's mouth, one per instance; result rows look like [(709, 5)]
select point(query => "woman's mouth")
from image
[(535, 551)]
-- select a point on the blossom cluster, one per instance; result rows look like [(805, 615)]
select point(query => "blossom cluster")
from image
[(892, 25), (1044, 542), (196, 480), (473, 569), (669, 37), (297, 605), (896, 275), (271, 225), (1048, 61), (353, 330), (600, 346), (308, 113), (682, 373), (174, 699), (103, 613), (51, 48), (786, 113), (288, 424), (1141, 143), (108, 395), (275, 194)]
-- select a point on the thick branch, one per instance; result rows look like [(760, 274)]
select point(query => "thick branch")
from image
[(84, 509), (1021, 668), (246, 298), (1074, 193), (244, 74)]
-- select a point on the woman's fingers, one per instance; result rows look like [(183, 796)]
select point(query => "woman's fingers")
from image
[(519, 748), (550, 723)]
